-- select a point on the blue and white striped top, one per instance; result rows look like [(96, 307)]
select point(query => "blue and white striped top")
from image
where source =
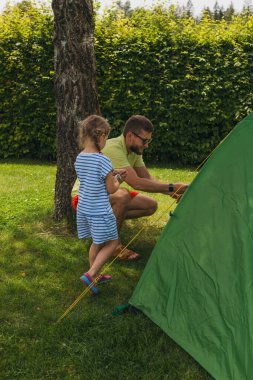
[(91, 170)]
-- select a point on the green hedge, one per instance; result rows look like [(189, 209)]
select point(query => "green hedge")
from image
[(193, 80), (27, 107)]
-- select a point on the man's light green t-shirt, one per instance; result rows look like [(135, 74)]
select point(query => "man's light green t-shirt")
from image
[(116, 150)]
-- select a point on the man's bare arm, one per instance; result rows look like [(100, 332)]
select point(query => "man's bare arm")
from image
[(151, 185), (142, 172)]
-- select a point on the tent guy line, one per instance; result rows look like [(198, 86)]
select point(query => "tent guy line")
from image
[(87, 289)]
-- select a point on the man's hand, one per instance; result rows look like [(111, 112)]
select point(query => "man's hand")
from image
[(180, 188), (177, 197)]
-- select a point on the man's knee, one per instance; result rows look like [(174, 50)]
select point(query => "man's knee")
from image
[(152, 207), (121, 197), (147, 205)]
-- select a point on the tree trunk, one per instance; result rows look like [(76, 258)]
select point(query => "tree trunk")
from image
[(75, 88)]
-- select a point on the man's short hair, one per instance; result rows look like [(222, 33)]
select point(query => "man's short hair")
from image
[(136, 123)]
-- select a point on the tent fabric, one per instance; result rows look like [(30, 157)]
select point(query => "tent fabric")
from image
[(198, 283)]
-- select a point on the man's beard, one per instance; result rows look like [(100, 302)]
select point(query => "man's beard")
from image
[(135, 149)]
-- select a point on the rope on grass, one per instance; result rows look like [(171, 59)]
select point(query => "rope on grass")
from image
[(97, 278), (88, 288)]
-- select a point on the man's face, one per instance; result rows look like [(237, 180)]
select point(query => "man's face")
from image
[(139, 141)]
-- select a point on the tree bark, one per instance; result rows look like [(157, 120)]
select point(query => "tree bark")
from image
[(75, 89)]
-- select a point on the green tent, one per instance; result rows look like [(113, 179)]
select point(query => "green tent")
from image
[(198, 283)]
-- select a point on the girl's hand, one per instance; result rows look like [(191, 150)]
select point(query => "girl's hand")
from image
[(121, 172)]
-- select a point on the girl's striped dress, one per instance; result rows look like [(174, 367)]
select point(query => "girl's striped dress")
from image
[(95, 217)]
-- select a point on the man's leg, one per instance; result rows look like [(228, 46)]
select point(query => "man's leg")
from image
[(120, 202), (140, 206), (126, 207)]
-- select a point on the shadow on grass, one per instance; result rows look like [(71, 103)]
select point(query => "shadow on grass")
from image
[(41, 265)]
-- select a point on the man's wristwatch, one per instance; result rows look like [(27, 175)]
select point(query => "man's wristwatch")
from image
[(171, 188)]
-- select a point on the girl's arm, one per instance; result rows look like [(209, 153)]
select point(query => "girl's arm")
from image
[(111, 183)]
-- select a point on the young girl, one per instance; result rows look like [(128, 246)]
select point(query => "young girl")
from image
[(95, 217)]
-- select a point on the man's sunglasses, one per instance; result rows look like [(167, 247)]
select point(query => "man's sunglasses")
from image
[(144, 141)]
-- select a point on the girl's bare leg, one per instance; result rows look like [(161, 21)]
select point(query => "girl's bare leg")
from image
[(94, 249), (102, 256)]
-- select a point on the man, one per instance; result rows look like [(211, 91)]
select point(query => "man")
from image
[(126, 152)]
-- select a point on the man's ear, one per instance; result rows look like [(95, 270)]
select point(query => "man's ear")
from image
[(128, 136)]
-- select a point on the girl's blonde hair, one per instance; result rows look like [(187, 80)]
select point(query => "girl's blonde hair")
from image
[(93, 127)]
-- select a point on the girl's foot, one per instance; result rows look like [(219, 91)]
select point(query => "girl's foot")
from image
[(104, 278), (87, 280)]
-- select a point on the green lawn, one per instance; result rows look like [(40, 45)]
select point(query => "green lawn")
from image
[(41, 262)]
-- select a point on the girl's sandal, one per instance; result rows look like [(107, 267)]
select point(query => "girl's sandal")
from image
[(87, 280)]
